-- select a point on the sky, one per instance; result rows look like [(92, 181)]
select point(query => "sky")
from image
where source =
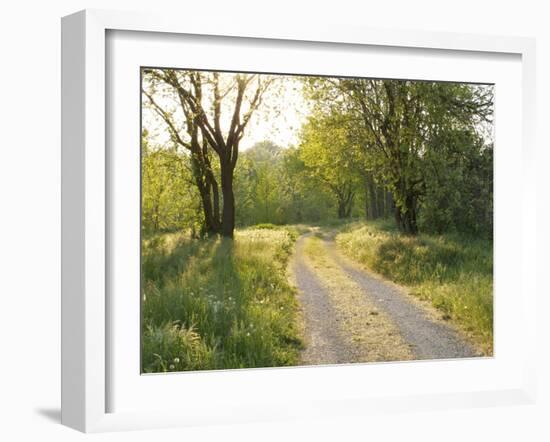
[(278, 119)]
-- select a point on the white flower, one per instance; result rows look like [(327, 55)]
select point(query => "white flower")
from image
[(176, 360), (172, 366)]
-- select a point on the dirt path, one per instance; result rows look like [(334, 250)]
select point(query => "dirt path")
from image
[(428, 337), (325, 344), (352, 315)]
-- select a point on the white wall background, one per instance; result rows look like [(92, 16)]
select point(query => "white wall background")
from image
[(30, 215)]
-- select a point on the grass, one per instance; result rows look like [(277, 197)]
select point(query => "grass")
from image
[(453, 272), (218, 303)]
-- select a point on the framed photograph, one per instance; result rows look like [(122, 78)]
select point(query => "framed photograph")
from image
[(265, 223)]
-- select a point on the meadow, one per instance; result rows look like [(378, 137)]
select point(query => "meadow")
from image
[(218, 303)]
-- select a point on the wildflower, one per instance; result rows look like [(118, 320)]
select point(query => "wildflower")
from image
[(172, 366), (247, 333), (176, 360)]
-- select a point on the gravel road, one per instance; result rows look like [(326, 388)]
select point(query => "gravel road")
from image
[(326, 343), (429, 339)]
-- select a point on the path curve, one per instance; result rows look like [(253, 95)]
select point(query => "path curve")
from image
[(325, 340), (429, 339)]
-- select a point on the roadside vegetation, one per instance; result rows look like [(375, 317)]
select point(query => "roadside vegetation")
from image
[(218, 303), (452, 271)]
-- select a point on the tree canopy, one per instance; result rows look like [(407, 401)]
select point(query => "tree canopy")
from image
[(418, 151)]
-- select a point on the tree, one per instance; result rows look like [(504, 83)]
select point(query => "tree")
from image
[(459, 185), (211, 113), (258, 184), (403, 121), (330, 157)]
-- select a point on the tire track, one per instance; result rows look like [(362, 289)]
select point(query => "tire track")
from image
[(324, 342), (428, 338)]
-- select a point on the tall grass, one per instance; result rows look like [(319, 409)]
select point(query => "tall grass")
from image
[(218, 303), (453, 272)]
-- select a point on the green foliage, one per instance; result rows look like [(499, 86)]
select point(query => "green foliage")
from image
[(454, 272), (266, 226), (459, 186), (218, 303), (331, 158), (426, 142), (169, 197), (272, 186), (259, 196)]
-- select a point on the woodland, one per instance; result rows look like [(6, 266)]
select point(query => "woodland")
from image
[(418, 152)]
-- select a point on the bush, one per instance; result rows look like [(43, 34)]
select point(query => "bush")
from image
[(264, 226)]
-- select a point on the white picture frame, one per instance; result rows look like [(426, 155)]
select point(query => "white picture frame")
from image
[(85, 201)]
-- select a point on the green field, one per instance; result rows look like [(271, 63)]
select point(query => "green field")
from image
[(218, 303)]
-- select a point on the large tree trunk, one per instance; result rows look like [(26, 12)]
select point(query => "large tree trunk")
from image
[(209, 222), (372, 197), (216, 203), (341, 209), (228, 211), (345, 201), (209, 194), (215, 192), (406, 207), (406, 216)]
